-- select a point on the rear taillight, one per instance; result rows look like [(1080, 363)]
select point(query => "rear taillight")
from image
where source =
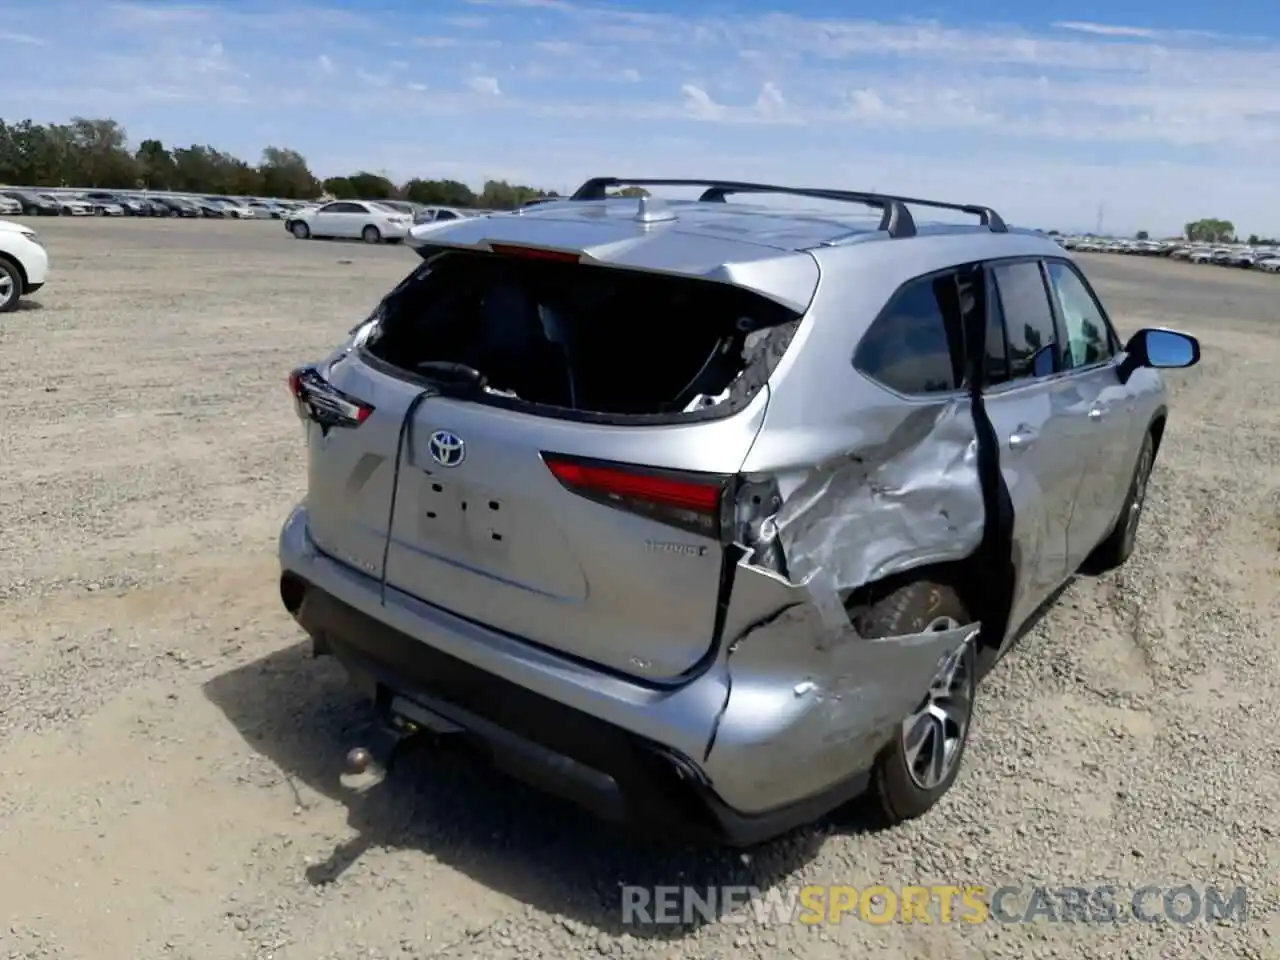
[(320, 401), (690, 501)]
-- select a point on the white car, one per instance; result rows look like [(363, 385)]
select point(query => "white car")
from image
[(23, 263), (236, 210), (440, 215), (351, 219), (9, 206), (69, 206), (1270, 265)]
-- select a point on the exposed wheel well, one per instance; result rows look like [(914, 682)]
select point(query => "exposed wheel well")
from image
[(17, 265), (985, 589)]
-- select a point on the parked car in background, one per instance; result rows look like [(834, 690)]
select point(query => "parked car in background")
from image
[(126, 206), (351, 219), (24, 263), (209, 208), (266, 210), (1269, 265), (435, 214), (403, 206), (32, 203), (154, 207), (69, 206), (173, 206), (230, 208), (106, 207), (10, 207)]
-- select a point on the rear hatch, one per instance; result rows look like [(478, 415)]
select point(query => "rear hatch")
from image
[(576, 499)]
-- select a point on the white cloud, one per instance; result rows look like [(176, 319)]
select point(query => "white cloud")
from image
[(485, 86), (698, 103), (26, 39), (326, 64), (1106, 30), (770, 102), (436, 43), (630, 75)]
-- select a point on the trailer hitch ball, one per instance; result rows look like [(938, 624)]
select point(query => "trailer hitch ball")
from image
[(359, 760)]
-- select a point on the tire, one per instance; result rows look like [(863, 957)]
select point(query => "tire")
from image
[(10, 286), (300, 230), (1118, 546), (371, 234), (904, 785)]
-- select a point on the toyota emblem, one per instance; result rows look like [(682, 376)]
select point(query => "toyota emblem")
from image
[(447, 449)]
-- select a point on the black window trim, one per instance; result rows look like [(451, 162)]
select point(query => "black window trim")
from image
[(920, 398)]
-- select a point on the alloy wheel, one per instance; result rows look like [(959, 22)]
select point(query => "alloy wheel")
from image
[(933, 736)]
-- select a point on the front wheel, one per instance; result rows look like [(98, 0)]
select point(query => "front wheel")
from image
[(300, 230), (370, 234), (10, 286), (1118, 547), (922, 760)]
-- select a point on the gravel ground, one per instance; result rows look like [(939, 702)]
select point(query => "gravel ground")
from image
[(171, 755)]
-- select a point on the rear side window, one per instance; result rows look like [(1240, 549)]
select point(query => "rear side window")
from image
[(915, 346), (1030, 332)]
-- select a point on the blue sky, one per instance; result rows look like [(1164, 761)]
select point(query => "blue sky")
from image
[(1156, 112)]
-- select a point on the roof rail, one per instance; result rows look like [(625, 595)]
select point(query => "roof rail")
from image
[(896, 219)]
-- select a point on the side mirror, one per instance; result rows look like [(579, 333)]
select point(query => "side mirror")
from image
[(1161, 349)]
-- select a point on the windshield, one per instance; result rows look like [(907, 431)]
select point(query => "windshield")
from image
[(382, 207)]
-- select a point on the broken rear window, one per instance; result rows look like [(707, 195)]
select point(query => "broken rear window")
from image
[(582, 337)]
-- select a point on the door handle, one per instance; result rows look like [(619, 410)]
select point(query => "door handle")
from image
[(1022, 438), (1097, 411)]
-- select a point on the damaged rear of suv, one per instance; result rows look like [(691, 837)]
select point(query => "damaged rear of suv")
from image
[(708, 516)]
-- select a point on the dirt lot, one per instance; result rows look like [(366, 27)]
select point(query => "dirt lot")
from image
[(170, 755)]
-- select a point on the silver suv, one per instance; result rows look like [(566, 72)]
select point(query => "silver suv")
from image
[(710, 515)]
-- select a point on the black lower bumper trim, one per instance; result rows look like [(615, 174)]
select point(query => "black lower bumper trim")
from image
[(611, 772)]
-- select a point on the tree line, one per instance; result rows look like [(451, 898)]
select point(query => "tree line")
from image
[(97, 153)]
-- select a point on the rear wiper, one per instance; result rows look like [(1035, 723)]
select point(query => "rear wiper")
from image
[(455, 374)]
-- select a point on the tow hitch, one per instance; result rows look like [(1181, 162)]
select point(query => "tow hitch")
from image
[(398, 725)]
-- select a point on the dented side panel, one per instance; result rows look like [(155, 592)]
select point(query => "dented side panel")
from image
[(810, 706), (910, 499)]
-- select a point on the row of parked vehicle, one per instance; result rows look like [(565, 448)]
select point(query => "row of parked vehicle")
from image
[(1266, 259), (32, 201)]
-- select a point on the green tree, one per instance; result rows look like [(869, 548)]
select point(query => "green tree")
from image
[(155, 165), (1210, 230), (285, 174), (95, 152), (449, 193), (101, 148), (372, 186), (340, 188)]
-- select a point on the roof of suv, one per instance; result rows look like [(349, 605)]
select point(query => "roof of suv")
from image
[(751, 245)]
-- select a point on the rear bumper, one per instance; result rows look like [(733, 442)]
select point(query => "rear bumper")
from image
[(737, 755)]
